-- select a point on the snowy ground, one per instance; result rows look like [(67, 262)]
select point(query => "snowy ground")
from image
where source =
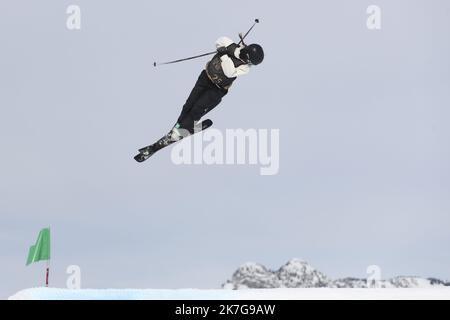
[(251, 294)]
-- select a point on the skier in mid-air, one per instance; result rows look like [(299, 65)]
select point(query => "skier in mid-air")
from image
[(231, 61)]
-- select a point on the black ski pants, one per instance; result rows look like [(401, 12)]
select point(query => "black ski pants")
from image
[(204, 97)]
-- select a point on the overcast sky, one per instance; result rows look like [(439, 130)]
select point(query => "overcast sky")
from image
[(364, 141)]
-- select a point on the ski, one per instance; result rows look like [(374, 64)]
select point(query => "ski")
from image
[(167, 140)]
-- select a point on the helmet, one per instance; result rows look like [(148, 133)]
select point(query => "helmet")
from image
[(253, 54)]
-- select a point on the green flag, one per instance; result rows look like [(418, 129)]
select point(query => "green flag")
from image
[(41, 250)]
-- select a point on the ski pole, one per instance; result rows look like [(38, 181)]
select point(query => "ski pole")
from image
[(246, 34), (155, 64), (242, 39)]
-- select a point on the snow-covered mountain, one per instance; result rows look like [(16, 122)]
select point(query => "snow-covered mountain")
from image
[(297, 273), (254, 275), (397, 282)]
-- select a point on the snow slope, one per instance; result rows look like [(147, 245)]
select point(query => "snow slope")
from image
[(437, 293)]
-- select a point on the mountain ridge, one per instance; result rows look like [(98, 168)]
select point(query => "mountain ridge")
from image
[(298, 273)]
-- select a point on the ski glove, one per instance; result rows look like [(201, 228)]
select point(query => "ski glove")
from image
[(222, 50), (231, 49)]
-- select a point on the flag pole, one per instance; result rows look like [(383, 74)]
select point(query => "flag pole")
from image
[(47, 273)]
